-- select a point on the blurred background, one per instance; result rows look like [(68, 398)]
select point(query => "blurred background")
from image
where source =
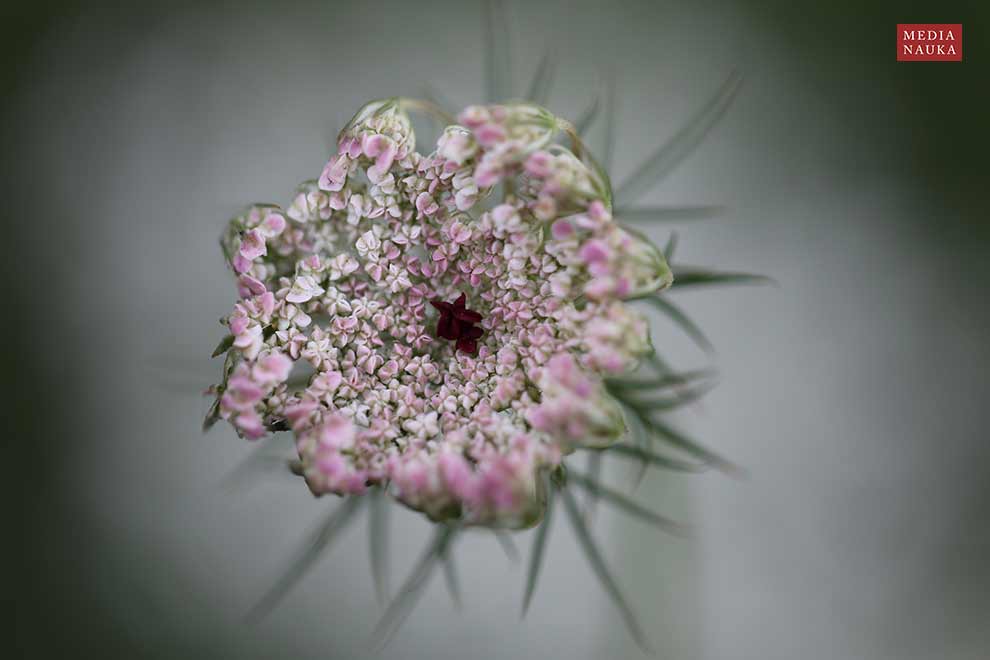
[(853, 391)]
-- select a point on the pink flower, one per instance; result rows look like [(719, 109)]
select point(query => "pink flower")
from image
[(250, 286), (538, 164), (273, 368), (253, 245), (334, 174), (273, 225), (489, 134), (454, 356), (594, 251)]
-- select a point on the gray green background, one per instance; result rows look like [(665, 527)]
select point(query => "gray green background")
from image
[(854, 392)]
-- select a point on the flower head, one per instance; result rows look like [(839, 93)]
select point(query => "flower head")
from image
[(456, 350)]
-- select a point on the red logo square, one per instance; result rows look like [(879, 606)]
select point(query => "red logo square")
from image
[(929, 42)]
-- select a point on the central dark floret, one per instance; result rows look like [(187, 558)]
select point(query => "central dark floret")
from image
[(457, 323)]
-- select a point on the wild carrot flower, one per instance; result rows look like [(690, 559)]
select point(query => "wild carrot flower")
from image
[(458, 312), (447, 328)]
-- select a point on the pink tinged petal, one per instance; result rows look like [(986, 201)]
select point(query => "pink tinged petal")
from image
[(598, 212), (334, 379), (539, 164), (250, 426), (599, 269), (253, 245), (241, 385), (274, 224), (345, 142), (538, 418), (274, 367), (562, 229), (594, 250), (350, 146), (231, 403), (584, 221), (252, 285), (426, 205), (241, 264), (458, 476), (489, 134), (354, 483), (598, 288), (458, 232), (336, 432), (611, 361), (486, 177), (267, 300), (562, 367), (248, 338), (298, 415), (238, 324), (330, 464), (473, 116), (374, 144), (545, 208), (583, 388), (334, 174), (465, 198), (384, 150)]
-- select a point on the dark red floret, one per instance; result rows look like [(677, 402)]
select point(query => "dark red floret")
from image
[(457, 323)]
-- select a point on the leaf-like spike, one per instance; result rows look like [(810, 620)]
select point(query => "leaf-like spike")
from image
[(402, 604), (608, 139), (438, 98), (508, 545), (498, 63), (677, 315), (671, 153), (602, 142), (261, 460), (669, 249), (539, 548), (307, 557), (659, 363), (677, 400), (668, 213), (223, 346), (597, 562), (681, 441), (587, 117), (450, 577), (652, 458), (595, 473), (689, 276), (212, 416), (539, 88), (661, 382), (628, 505), (378, 542), (643, 440)]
